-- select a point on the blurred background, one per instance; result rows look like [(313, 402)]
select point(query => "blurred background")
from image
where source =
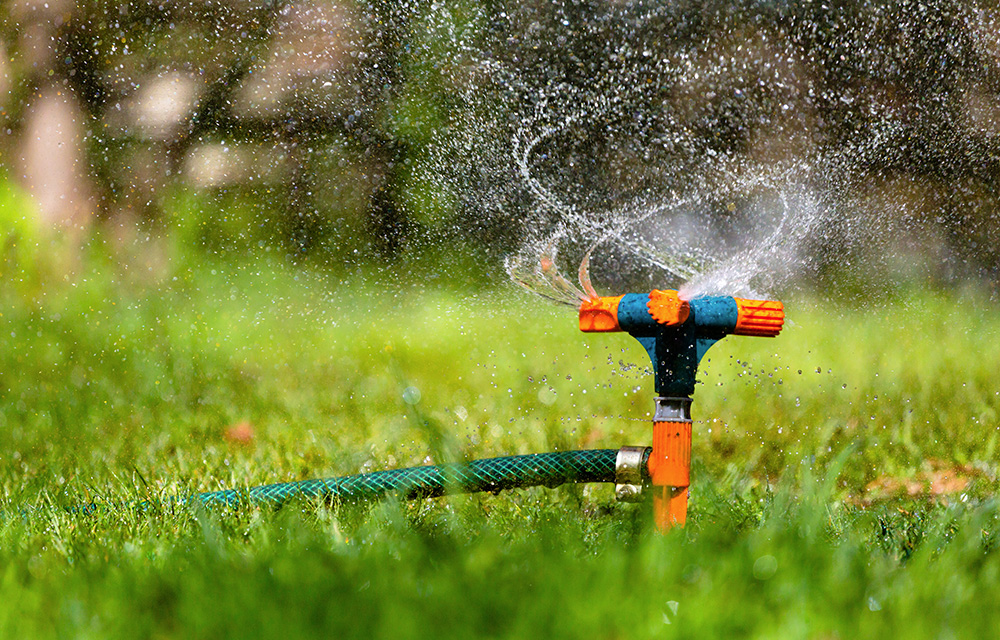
[(313, 129)]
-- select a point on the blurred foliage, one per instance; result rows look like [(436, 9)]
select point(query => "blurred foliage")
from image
[(323, 116), (19, 233)]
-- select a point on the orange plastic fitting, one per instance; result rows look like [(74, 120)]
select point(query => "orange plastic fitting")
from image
[(670, 505), (763, 318), (670, 472), (600, 314), (667, 308)]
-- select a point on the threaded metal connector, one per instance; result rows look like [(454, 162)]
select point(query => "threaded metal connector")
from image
[(630, 473), (672, 409)]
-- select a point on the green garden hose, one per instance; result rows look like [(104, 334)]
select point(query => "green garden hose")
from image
[(626, 467), (492, 474)]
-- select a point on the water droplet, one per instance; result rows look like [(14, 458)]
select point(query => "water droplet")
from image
[(411, 395)]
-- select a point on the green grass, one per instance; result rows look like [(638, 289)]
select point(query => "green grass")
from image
[(118, 383)]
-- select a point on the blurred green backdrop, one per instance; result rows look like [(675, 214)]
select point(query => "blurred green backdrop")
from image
[(305, 127)]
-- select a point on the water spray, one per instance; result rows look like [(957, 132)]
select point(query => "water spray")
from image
[(676, 334)]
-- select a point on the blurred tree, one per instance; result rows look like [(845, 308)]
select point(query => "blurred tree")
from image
[(161, 84), (380, 124)]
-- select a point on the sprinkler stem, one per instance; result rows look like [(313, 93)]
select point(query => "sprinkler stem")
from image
[(670, 461)]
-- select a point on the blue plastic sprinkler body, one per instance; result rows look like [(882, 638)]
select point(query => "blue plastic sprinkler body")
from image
[(676, 334), (676, 351)]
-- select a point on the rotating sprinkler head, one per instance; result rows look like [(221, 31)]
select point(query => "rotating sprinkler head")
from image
[(676, 334)]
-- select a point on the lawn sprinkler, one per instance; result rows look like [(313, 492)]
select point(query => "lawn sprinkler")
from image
[(676, 333)]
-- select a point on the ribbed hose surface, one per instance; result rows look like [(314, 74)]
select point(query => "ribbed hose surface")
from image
[(491, 474)]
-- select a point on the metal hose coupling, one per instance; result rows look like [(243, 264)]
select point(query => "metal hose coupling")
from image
[(631, 473)]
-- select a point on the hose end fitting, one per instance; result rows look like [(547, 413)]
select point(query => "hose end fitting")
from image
[(630, 465)]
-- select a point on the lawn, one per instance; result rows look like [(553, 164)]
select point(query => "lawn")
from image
[(844, 472)]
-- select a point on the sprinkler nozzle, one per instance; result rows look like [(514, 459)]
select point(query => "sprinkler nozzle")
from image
[(600, 314), (762, 318)]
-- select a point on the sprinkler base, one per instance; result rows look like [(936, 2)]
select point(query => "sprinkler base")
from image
[(670, 507), (670, 461)]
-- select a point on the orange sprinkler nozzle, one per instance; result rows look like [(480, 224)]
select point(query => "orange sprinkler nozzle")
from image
[(667, 308), (762, 318), (600, 314)]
